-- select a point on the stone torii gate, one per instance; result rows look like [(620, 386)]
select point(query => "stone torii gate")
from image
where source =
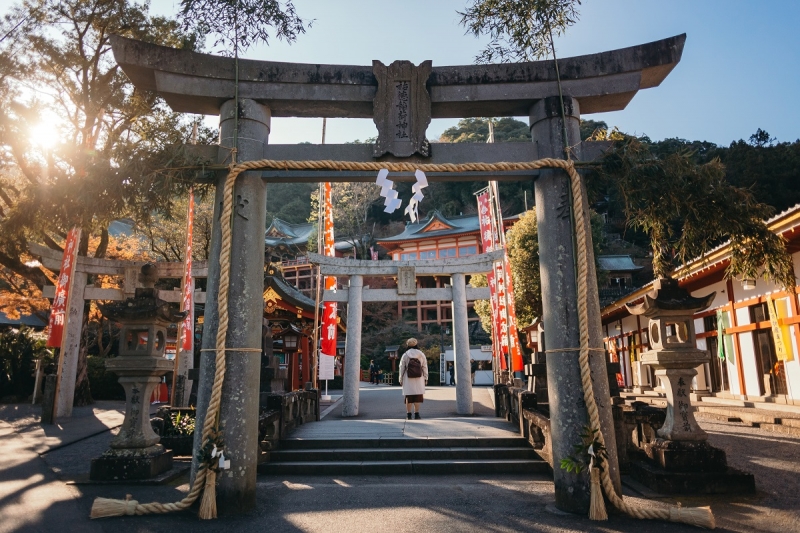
[(406, 272), (401, 98)]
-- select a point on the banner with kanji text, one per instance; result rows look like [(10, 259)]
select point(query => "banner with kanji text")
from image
[(504, 317), (328, 333), (58, 311)]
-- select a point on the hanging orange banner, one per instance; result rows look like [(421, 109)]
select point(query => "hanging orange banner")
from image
[(58, 311), (329, 319)]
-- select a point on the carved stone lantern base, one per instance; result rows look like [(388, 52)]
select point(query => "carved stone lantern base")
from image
[(135, 452), (131, 464), (680, 424)]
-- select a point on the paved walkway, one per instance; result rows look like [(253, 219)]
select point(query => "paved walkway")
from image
[(382, 414), (33, 498)]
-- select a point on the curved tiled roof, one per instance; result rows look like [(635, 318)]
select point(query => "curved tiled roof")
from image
[(453, 226), (282, 232)]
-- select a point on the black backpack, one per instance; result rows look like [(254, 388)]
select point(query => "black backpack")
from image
[(414, 368)]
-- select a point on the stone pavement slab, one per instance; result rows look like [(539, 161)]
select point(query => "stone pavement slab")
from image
[(32, 499)]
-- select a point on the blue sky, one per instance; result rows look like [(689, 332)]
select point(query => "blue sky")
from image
[(740, 69)]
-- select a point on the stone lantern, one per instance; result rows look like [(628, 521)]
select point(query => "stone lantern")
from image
[(135, 453), (684, 460), (673, 352)]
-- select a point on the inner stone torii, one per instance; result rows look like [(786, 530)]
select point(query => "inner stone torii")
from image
[(406, 272), (401, 98)]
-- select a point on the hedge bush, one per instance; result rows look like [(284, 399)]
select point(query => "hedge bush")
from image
[(19, 350), (102, 383)]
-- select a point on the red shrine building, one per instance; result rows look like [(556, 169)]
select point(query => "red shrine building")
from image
[(437, 237)]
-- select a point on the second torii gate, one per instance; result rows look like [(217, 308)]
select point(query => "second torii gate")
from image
[(406, 272)]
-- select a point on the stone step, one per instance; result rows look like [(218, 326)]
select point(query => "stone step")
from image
[(419, 467), (750, 416), (713, 400), (447, 442), (782, 428), (400, 454), (786, 411), (790, 422)]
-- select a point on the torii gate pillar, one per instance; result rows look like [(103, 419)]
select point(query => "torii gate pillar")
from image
[(238, 417), (560, 308)]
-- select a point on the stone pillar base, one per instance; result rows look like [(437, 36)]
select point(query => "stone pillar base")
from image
[(131, 464), (686, 456)]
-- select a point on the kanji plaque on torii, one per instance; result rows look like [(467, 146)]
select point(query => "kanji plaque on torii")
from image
[(402, 108)]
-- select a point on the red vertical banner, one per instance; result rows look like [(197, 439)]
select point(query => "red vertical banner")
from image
[(58, 311), (517, 364), (184, 356), (187, 303), (504, 315), (329, 322), (488, 242)]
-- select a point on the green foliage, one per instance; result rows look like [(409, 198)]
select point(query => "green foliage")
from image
[(109, 138), (522, 242), (290, 201), (581, 458), (179, 424), (242, 23), (687, 208), (103, 384), (771, 171), (589, 128), (519, 30), (19, 350), (476, 130)]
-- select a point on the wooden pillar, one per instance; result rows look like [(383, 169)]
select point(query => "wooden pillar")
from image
[(306, 354), (70, 348), (737, 349)]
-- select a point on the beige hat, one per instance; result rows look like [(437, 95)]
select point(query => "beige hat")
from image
[(411, 342)]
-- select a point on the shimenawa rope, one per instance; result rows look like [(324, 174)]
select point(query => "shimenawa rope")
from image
[(104, 507)]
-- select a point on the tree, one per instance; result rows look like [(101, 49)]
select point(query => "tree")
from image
[(236, 24), (687, 208), (771, 170), (166, 236), (353, 204), (110, 137), (519, 31), (476, 130)]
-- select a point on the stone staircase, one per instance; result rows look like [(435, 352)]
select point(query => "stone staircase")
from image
[(779, 418), (404, 456)]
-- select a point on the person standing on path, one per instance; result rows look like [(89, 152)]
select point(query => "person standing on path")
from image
[(373, 372), (413, 377)]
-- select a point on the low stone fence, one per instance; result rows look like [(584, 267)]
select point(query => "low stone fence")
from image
[(635, 426), (280, 413)]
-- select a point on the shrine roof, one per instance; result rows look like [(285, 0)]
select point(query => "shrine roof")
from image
[(436, 225), (282, 232), (617, 263), (199, 83), (24, 320), (287, 292)]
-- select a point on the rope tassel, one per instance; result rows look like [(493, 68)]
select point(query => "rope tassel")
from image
[(208, 505)]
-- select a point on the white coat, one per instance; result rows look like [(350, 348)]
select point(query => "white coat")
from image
[(413, 385)]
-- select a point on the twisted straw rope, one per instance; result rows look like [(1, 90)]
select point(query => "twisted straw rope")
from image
[(581, 230), (224, 284)]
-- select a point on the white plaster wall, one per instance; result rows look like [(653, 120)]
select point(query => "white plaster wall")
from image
[(753, 379)]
